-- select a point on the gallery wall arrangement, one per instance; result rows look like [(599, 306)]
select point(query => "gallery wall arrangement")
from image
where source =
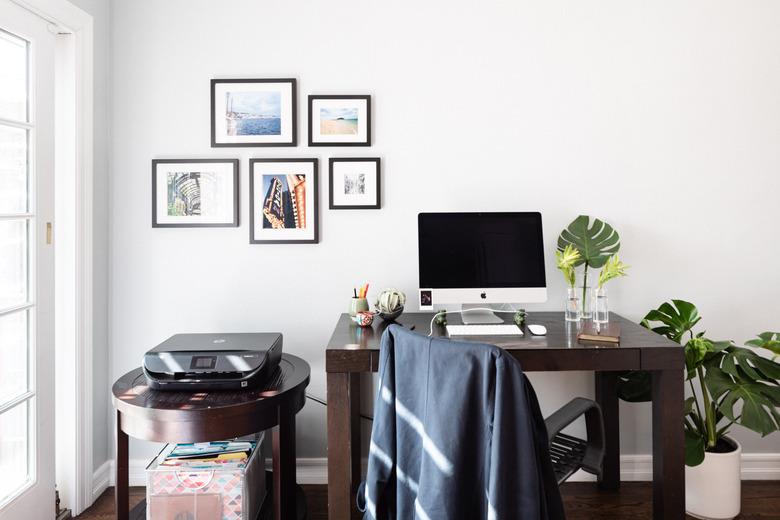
[(283, 192)]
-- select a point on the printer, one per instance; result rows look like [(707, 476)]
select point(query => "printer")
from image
[(205, 362)]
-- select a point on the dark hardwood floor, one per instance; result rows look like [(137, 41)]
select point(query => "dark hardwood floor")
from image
[(760, 501)]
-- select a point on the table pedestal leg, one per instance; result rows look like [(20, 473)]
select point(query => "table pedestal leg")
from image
[(122, 482), (606, 396), (284, 467), (668, 445)]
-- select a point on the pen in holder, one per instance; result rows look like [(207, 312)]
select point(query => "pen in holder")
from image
[(356, 305)]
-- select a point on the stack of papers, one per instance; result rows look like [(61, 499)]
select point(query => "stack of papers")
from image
[(210, 455)]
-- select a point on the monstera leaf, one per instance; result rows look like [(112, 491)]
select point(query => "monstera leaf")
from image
[(676, 318), (740, 375), (596, 242), (767, 340)]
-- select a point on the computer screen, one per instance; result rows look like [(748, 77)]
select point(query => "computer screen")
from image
[(481, 250)]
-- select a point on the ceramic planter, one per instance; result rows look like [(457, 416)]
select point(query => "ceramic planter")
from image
[(713, 489)]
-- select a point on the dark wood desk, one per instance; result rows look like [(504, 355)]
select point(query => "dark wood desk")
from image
[(213, 416), (353, 350)]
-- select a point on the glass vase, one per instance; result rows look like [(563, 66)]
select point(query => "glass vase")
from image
[(600, 305), (573, 309), (586, 301)]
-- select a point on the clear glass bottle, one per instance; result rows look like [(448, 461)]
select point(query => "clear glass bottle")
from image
[(600, 305), (573, 309), (586, 301)]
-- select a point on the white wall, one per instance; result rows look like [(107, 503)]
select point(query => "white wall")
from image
[(660, 117), (99, 9)]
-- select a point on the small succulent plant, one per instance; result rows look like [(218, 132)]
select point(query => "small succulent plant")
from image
[(390, 300)]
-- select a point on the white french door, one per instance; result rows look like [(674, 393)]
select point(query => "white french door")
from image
[(27, 58)]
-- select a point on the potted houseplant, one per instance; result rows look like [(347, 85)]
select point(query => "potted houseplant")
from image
[(730, 385)]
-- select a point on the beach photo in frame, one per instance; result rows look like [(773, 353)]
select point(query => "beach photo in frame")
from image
[(283, 201), (253, 112), (355, 183), (194, 193), (339, 120)]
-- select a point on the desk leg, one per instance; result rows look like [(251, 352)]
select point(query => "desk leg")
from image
[(284, 466), (343, 443), (606, 396), (668, 445), (121, 489)]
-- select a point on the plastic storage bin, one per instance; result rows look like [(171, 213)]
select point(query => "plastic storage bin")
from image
[(205, 494)]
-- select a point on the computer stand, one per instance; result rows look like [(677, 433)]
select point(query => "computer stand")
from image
[(471, 316)]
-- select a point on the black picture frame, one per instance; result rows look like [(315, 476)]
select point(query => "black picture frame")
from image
[(294, 111), (377, 161), (364, 97), (235, 198), (315, 195)]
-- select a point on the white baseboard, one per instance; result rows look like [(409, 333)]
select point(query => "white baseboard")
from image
[(102, 478), (755, 466)]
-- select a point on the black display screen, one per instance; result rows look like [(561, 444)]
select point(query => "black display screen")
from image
[(203, 362), (480, 250)]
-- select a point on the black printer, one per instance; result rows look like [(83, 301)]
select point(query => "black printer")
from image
[(195, 362)]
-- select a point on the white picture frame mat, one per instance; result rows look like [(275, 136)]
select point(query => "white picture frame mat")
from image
[(340, 169), (259, 170), (220, 125), (224, 171), (360, 104)]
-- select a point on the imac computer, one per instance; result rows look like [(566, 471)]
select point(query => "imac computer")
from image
[(478, 259)]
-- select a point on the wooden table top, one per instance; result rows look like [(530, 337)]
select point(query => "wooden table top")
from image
[(175, 416), (352, 347)]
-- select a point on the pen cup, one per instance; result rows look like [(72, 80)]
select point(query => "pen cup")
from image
[(357, 305)]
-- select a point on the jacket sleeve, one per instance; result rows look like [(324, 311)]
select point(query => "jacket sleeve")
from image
[(517, 486)]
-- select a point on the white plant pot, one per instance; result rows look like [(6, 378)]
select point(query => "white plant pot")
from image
[(713, 489)]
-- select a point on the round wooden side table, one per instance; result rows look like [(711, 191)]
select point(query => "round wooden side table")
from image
[(171, 417)]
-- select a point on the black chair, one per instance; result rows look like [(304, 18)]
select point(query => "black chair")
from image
[(569, 453)]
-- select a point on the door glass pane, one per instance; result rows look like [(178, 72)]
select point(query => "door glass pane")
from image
[(13, 170), (13, 259), (13, 355), (13, 77), (14, 465)]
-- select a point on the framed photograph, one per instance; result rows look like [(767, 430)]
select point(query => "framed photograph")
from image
[(355, 183), (283, 207), (253, 112), (195, 193), (339, 120)]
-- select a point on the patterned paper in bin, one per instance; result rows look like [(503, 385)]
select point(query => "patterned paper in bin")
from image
[(226, 484)]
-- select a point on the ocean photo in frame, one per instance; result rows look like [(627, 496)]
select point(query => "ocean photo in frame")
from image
[(253, 112), (354, 183), (283, 201), (194, 193), (338, 120)]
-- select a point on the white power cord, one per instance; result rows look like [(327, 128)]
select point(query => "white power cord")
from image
[(462, 311)]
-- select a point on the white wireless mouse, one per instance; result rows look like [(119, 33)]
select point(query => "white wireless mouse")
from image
[(537, 330)]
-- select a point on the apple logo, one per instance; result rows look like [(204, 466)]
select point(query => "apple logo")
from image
[(483, 295)]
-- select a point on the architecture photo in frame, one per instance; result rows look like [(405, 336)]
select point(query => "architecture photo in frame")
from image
[(355, 183), (253, 112), (283, 201), (195, 192), (339, 120)]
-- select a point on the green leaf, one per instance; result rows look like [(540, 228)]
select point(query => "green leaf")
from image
[(596, 242), (695, 351), (767, 340), (677, 319), (759, 399), (694, 448)]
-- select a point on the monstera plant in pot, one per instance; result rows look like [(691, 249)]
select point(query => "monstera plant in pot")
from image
[(730, 385)]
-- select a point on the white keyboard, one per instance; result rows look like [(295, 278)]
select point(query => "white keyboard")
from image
[(484, 330)]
